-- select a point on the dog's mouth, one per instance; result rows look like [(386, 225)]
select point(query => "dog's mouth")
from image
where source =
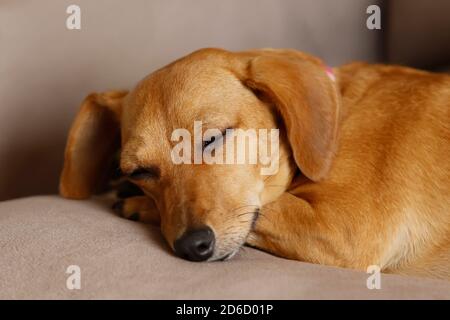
[(232, 253), (229, 255)]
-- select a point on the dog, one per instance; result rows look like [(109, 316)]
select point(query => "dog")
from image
[(363, 174)]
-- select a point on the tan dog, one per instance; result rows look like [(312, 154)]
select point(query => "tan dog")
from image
[(364, 173)]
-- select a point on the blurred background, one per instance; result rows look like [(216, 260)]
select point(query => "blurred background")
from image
[(46, 70)]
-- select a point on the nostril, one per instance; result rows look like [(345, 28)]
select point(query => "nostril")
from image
[(195, 245), (203, 247)]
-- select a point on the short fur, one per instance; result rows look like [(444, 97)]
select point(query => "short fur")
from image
[(364, 173)]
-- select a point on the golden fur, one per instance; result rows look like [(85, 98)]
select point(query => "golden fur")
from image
[(373, 150)]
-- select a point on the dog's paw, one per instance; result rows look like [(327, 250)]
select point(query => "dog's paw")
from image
[(140, 208), (127, 189), (119, 208), (254, 240)]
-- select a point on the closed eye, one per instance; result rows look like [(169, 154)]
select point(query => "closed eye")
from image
[(214, 139), (145, 173)]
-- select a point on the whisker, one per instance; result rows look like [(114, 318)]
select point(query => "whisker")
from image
[(275, 185), (241, 207), (245, 213), (260, 214)]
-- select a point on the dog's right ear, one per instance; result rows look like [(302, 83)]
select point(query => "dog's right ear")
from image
[(92, 140)]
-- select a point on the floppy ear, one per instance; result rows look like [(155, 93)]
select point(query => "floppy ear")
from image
[(93, 138), (307, 100)]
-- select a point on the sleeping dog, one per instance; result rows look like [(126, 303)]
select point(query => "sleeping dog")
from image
[(363, 174)]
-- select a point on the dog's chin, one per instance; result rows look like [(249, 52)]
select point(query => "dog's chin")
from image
[(230, 253), (226, 256)]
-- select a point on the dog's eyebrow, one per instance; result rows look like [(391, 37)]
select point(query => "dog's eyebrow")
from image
[(150, 172)]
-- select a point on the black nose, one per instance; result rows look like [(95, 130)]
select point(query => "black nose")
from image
[(195, 245)]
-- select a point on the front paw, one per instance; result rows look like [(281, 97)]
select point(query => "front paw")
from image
[(124, 211), (253, 240), (139, 208)]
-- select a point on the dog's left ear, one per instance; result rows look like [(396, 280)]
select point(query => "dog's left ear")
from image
[(93, 139), (307, 100)]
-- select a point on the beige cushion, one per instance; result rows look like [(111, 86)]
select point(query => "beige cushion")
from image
[(41, 236)]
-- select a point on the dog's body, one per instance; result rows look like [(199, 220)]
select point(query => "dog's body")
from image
[(372, 147), (386, 200)]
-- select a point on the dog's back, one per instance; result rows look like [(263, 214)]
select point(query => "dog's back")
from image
[(394, 160)]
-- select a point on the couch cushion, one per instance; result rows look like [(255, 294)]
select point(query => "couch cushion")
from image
[(41, 236)]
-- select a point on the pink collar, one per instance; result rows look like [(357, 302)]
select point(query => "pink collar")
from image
[(330, 73)]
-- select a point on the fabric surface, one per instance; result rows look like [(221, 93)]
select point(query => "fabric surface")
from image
[(41, 236)]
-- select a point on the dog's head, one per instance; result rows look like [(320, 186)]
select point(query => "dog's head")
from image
[(186, 111)]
